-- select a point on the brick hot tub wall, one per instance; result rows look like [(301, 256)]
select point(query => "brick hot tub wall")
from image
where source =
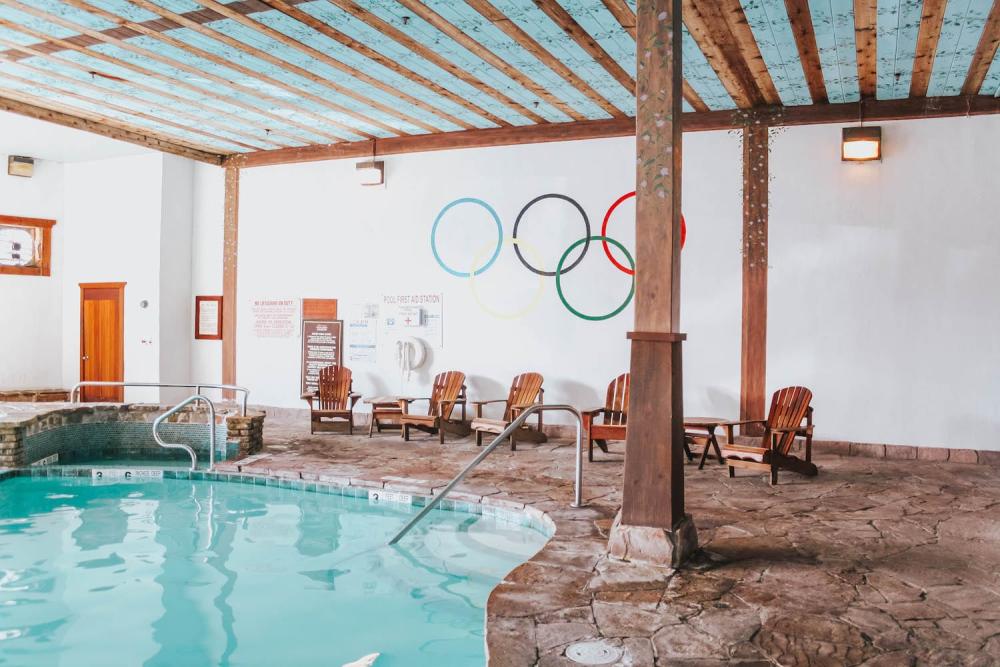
[(30, 432)]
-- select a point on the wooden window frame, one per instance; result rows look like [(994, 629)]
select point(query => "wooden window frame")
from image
[(44, 266)]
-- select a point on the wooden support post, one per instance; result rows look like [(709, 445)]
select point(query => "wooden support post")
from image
[(652, 526), (230, 245), (753, 362)]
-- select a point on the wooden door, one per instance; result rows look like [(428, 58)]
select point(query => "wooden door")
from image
[(102, 339)]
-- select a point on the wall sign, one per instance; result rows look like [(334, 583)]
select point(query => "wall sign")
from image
[(362, 334), (321, 345), (275, 318), (208, 318), (418, 315)]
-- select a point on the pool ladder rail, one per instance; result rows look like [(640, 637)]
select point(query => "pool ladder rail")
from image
[(514, 425), (74, 397), (179, 445)]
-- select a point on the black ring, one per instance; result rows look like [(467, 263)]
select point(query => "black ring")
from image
[(586, 224)]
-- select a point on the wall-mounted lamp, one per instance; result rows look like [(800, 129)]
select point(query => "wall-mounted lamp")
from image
[(861, 144), (371, 172), (20, 166)]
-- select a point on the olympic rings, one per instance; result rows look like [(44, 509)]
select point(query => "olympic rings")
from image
[(562, 297), (604, 231), (586, 225), (538, 290), (496, 252)]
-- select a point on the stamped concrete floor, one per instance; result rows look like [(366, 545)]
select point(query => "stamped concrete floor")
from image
[(875, 562)]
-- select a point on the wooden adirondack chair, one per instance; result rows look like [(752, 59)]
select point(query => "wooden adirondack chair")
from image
[(333, 401), (448, 391), (789, 408), (525, 391), (614, 416)]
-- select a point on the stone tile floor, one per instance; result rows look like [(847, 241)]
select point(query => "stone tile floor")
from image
[(875, 562)]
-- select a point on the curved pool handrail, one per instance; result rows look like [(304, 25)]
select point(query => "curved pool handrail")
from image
[(74, 393), (211, 431), (514, 425)]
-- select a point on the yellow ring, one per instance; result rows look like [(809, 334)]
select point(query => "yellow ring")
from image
[(480, 254)]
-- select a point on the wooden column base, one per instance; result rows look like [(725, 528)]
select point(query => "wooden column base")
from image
[(653, 493)]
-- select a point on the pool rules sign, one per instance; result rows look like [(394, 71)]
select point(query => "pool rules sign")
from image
[(321, 347)]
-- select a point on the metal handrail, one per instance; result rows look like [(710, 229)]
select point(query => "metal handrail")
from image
[(211, 431), (74, 393), (514, 425)]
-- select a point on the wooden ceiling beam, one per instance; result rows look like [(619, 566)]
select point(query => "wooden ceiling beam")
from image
[(514, 31), (805, 42), (237, 67), (585, 41), (931, 20), (693, 98), (319, 56), (156, 76), (866, 43), (775, 116), (748, 51), (363, 49), (195, 127), (63, 94), (176, 64), (622, 13), (26, 105), (184, 21), (432, 56), (450, 30), (26, 51), (985, 52), (711, 31)]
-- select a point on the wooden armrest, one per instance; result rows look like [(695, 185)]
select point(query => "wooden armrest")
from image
[(791, 429), (495, 400), (593, 412), (743, 423)]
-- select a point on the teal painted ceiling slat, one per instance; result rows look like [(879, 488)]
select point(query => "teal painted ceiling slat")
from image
[(702, 77), (991, 84), (422, 32), (833, 24), (372, 38), (541, 28), (963, 25), (494, 40), (898, 25), (772, 30)]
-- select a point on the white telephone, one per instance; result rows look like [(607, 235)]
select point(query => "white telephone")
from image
[(410, 355)]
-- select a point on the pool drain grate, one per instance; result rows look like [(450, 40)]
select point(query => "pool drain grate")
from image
[(594, 653)]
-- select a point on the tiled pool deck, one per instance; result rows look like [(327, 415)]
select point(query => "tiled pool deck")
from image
[(874, 562)]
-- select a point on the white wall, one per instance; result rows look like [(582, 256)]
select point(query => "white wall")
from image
[(882, 287), (112, 230), (31, 320), (310, 231)]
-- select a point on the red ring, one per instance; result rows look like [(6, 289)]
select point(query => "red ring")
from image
[(604, 232)]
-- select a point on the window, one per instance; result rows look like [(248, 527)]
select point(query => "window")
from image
[(25, 246)]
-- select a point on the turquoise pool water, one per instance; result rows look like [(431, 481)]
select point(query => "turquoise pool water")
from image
[(187, 573)]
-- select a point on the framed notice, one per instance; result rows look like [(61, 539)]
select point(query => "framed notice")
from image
[(208, 318), (321, 341)]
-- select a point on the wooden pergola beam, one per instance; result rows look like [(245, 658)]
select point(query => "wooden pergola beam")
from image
[(866, 44), (753, 340), (450, 30), (805, 42), (870, 110), (230, 248), (432, 56), (931, 20), (366, 51), (576, 32), (711, 31), (985, 52), (527, 42), (623, 14), (732, 12), (80, 120)]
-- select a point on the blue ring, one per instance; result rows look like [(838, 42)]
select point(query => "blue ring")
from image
[(496, 253)]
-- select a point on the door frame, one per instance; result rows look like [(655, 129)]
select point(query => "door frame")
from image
[(120, 370)]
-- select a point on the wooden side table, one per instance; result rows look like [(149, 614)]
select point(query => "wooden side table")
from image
[(709, 426), (385, 409)]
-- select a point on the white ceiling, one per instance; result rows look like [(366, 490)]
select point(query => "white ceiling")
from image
[(20, 135)]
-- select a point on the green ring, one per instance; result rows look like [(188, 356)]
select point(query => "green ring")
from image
[(559, 271)]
